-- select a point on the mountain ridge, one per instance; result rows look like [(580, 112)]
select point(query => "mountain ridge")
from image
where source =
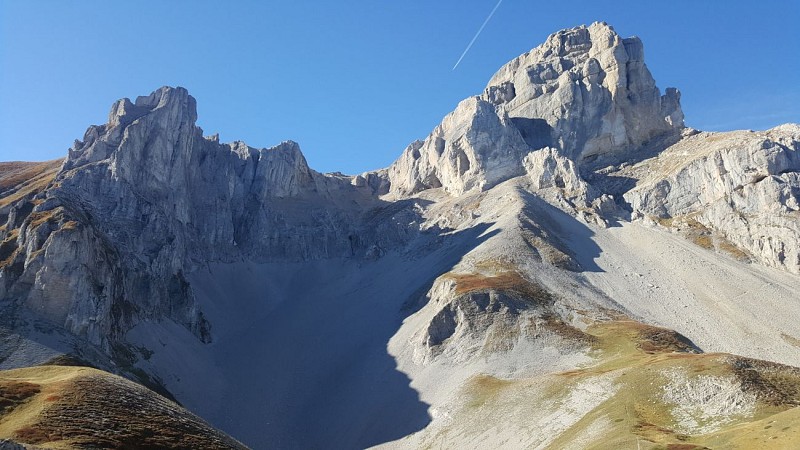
[(534, 215)]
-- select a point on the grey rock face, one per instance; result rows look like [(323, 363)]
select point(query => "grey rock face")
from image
[(473, 148), (585, 92), (7, 444), (549, 169), (741, 184), (145, 198), (590, 89)]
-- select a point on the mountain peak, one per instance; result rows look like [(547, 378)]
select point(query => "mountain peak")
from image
[(174, 100), (364, 311), (592, 88), (583, 93)]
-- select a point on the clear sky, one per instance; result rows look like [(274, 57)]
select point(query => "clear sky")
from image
[(355, 81)]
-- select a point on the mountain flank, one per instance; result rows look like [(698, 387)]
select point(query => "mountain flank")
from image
[(560, 263)]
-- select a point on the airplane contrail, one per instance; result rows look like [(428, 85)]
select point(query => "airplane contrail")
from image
[(477, 34)]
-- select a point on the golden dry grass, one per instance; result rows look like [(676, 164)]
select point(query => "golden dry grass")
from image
[(80, 407), (703, 240), (17, 172), (732, 250), (21, 179), (629, 345), (702, 236), (636, 415), (40, 217), (8, 248), (629, 348), (499, 278)]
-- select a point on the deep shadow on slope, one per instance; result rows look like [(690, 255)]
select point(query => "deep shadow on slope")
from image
[(304, 347)]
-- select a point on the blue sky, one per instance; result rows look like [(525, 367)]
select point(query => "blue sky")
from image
[(354, 82)]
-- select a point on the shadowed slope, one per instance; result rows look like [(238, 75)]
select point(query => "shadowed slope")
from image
[(300, 353)]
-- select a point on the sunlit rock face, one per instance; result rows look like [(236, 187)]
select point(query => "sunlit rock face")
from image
[(586, 92), (473, 148), (589, 89), (743, 185), (534, 226)]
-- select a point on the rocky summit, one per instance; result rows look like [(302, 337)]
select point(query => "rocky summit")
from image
[(561, 263)]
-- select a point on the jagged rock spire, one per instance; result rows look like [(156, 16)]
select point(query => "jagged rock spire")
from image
[(593, 90), (584, 92)]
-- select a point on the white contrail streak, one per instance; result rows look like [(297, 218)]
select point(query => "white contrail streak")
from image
[(469, 46)]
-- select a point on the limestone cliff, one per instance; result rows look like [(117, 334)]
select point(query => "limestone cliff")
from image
[(585, 92), (744, 187), (588, 91), (482, 249), (145, 198)]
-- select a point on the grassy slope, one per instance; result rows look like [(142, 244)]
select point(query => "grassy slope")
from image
[(79, 407), (634, 412), (19, 179), (640, 413)]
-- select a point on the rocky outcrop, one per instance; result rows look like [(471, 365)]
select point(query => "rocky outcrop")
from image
[(473, 148), (145, 198), (586, 91), (484, 314), (556, 177), (744, 185)]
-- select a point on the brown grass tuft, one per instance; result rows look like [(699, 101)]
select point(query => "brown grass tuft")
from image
[(20, 179), (731, 249), (34, 434), (557, 326), (704, 241), (67, 360), (685, 447), (14, 393), (40, 217), (661, 340), (96, 410), (8, 248), (773, 383), (506, 280)]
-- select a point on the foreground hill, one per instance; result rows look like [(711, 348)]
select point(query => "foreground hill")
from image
[(646, 387), (79, 407), (545, 269)]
